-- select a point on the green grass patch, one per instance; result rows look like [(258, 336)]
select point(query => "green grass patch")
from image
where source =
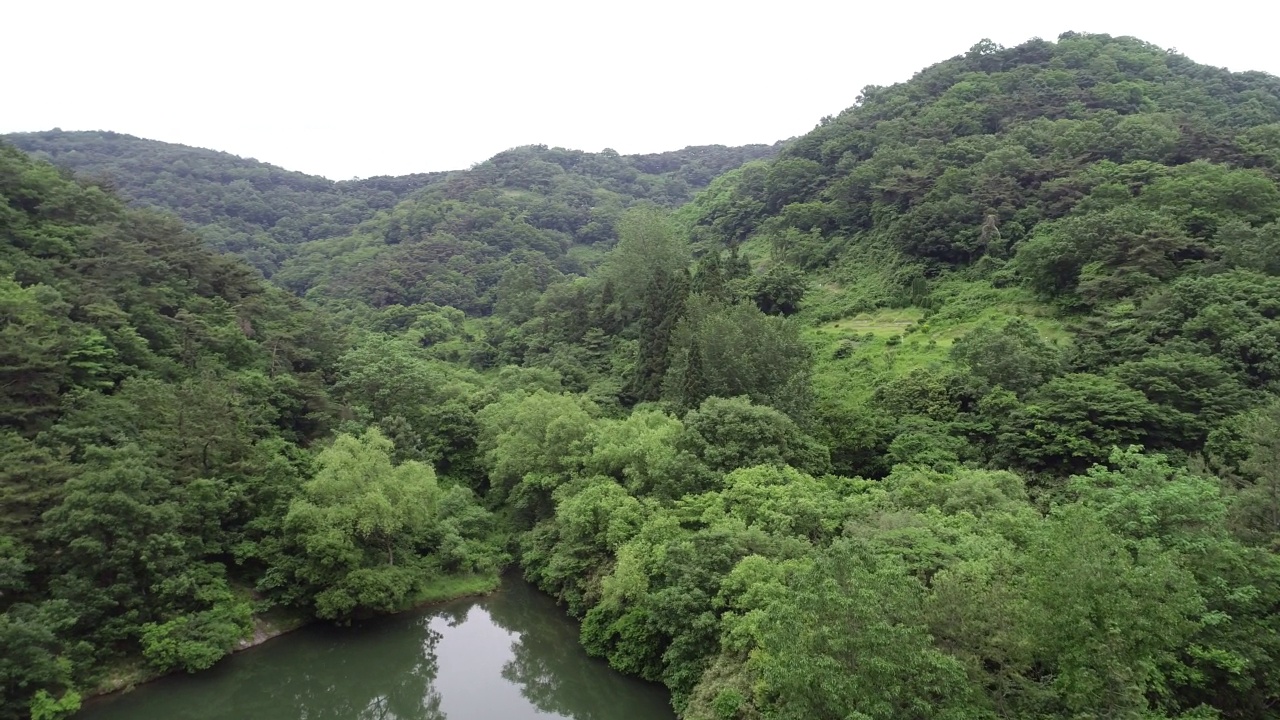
[(453, 587), (757, 250), (880, 323), (858, 353), (519, 194), (869, 275)]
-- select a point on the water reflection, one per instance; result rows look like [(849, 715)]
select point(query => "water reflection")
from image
[(556, 676), (511, 655)]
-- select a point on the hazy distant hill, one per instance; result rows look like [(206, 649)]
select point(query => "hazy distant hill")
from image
[(258, 211), (238, 205), (452, 242)]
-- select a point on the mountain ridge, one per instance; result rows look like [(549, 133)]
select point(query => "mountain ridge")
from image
[(259, 211)]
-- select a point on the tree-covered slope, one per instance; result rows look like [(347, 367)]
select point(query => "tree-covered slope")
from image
[(1034, 473), (550, 209), (970, 156), (1115, 195), (260, 211), (237, 205), (157, 404)]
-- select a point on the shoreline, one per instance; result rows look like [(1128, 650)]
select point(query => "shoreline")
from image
[(134, 672)]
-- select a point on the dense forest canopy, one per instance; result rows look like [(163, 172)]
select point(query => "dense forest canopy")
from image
[(962, 405)]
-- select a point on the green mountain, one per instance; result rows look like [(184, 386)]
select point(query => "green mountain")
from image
[(970, 156), (261, 212), (962, 405), (451, 243), (1086, 187), (236, 205)]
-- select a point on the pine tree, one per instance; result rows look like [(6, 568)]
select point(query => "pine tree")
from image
[(737, 266), (693, 385), (710, 280), (604, 314), (664, 299)]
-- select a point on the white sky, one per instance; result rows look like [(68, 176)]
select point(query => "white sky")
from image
[(347, 89)]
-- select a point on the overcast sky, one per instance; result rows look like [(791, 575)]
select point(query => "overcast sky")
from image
[(346, 89)]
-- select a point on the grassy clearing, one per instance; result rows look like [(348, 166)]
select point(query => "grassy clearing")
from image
[(587, 256), (858, 353), (757, 250), (519, 194), (881, 322), (454, 587)]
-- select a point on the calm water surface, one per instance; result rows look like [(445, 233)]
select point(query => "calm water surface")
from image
[(510, 656)]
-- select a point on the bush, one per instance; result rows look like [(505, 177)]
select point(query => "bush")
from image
[(197, 640)]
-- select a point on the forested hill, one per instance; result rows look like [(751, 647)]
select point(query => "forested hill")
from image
[(969, 157), (964, 405), (1032, 298), (261, 212), (237, 205), (1114, 195), (549, 211), (159, 404)]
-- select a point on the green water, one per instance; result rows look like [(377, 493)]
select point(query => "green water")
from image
[(510, 656)]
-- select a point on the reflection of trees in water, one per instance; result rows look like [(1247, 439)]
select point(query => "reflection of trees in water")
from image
[(386, 670), (455, 613), (555, 674), (384, 708), (383, 671)]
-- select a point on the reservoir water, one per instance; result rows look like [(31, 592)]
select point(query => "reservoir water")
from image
[(512, 655)]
